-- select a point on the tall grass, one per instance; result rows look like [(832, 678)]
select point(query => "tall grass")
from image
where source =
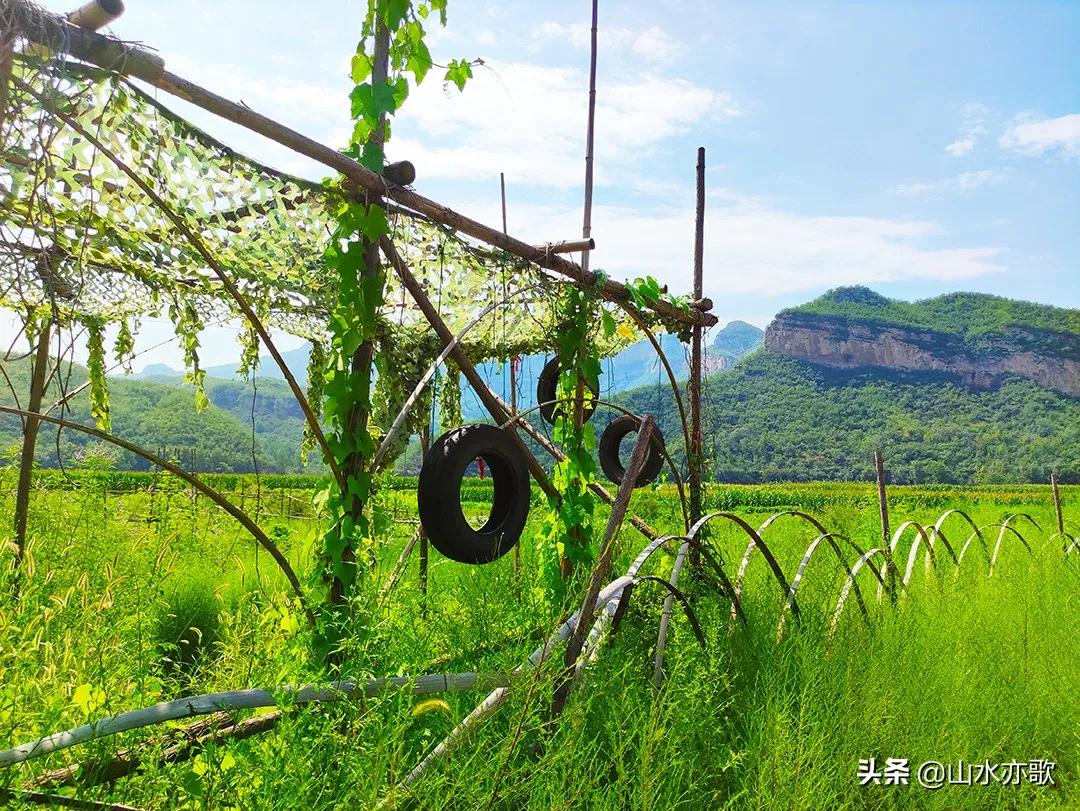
[(966, 666)]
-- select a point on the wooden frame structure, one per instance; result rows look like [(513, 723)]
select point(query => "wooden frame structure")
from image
[(55, 32)]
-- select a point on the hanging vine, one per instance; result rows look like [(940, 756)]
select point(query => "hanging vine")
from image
[(95, 367)]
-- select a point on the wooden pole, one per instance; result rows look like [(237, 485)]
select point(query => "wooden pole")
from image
[(487, 397), (1057, 504), (52, 31), (694, 457), (208, 703), (425, 443), (886, 533), (7, 51), (31, 423), (602, 570), (513, 393), (586, 228), (356, 419)]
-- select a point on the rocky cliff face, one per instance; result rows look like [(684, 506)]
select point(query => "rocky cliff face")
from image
[(1050, 359)]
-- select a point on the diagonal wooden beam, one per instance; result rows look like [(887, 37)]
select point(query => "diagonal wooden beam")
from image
[(492, 403)]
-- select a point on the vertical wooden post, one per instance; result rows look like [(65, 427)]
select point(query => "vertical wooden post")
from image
[(883, 506), (513, 387), (1057, 504), (7, 50), (29, 444), (586, 229), (357, 418), (425, 443), (694, 454)]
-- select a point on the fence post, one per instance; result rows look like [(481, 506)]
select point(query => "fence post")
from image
[(883, 506), (1057, 504)]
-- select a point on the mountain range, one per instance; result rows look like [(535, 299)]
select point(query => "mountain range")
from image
[(960, 388)]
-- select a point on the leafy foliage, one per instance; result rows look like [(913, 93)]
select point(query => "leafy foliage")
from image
[(568, 531)]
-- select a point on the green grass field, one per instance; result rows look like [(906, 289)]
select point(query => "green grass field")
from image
[(136, 594)]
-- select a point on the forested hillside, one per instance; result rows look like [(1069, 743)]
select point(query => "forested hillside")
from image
[(244, 426), (773, 418)]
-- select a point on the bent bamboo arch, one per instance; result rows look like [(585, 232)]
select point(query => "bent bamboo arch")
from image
[(241, 516)]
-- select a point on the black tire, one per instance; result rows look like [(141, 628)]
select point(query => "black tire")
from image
[(439, 494), (608, 452), (547, 389)]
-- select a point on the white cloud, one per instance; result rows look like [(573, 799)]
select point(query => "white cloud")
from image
[(529, 121), (965, 181), (973, 128), (652, 44), (961, 146), (1032, 136), (755, 249)]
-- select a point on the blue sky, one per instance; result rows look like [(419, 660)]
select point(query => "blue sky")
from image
[(915, 147)]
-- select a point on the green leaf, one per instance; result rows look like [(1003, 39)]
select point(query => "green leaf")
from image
[(361, 65), (394, 12), (459, 72)]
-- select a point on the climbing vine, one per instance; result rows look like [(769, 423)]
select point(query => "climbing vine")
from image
[(379, 92), (569, 526)]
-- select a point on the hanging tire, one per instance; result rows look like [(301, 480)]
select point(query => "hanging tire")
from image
[(439, 494), (608, 452), (547, 390)]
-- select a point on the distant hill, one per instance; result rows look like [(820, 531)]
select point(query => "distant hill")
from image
[(244, 428), (295, 359), (973, 339), (962, 388), (774, 418)]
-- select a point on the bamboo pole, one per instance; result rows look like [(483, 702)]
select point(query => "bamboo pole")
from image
[(195, 482), (586, 227), (513, 393), (425, 444), (51, 30), (96, 14), (492, 403), (7, 52), (694, 457), (31, 423), (602, 570), (568, 246), (1057, 504), (250, 699), (356, 420)]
